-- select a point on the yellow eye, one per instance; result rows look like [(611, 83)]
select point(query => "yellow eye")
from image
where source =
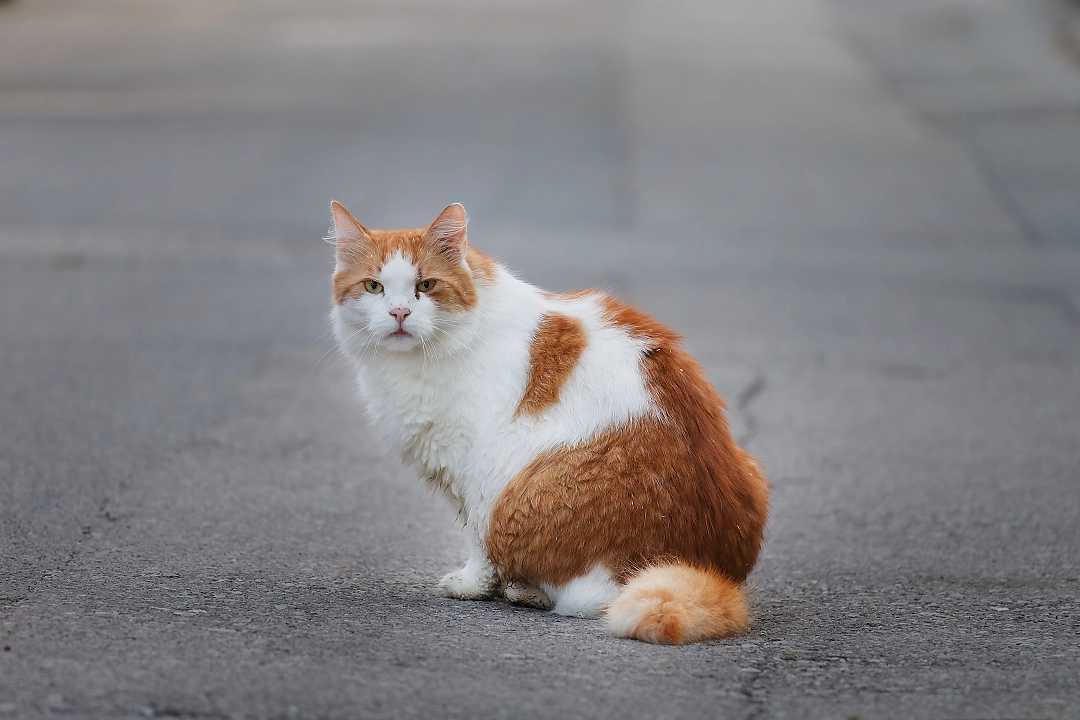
[(373, 286), (425, 285)]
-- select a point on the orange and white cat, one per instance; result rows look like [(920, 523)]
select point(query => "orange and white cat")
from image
[(586, 452)]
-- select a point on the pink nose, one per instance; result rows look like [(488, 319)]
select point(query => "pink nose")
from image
[(400, 314)]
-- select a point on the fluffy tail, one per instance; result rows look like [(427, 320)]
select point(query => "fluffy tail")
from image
[(676, 604)]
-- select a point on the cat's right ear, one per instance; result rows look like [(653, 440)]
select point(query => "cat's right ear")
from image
[(447, 232), (349, 236)]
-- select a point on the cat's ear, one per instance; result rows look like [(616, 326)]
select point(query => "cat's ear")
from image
[(349, 235), (447, 232)]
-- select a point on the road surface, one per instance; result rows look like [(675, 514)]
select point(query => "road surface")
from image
[(862, 215)]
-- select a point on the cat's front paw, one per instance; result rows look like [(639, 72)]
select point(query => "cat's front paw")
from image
[(467, 584)]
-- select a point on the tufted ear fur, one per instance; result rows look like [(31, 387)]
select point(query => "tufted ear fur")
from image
[(349, 236), (447, 232)]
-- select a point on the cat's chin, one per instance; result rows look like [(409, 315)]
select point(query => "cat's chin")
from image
[(400, 342)]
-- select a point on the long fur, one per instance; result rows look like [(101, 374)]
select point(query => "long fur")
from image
[(577, 439), (676, 604)]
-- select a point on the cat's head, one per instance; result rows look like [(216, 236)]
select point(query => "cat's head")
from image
[(405, 290)]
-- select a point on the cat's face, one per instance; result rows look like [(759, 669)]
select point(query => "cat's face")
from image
[(403, 290)]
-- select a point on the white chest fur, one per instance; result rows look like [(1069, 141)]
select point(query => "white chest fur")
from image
[(452, 415)]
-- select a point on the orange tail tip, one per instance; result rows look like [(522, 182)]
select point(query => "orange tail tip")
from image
[(676, 604)]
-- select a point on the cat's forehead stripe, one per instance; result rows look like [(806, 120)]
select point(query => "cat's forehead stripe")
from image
[(398, 268)]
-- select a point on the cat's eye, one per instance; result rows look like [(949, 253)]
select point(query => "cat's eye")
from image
[(425, 285), (373, 286)]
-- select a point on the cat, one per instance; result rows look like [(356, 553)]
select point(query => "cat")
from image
[(586, 452)]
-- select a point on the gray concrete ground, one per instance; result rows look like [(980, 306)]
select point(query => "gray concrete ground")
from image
[(862, 214)]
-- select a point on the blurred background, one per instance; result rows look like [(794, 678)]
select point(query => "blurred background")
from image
[(864, 216)]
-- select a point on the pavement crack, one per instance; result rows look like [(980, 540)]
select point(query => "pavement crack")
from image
[(742, 404), (107, 514), (1002, 194)]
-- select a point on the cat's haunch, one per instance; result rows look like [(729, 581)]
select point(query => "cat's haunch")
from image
[(585, 450)]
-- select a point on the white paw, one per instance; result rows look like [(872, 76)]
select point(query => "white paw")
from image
[(532, 597), (465, 584)]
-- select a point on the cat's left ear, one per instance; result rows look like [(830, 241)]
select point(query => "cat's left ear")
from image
[(447, 232)]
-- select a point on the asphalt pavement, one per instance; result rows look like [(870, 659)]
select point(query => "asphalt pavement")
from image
[(863, 216)]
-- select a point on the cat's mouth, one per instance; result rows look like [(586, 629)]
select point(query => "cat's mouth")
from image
[(400, 332)]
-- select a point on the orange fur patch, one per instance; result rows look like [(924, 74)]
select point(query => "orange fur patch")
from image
[(651, 491), (556, 346), (676, 604), (482, 266)]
